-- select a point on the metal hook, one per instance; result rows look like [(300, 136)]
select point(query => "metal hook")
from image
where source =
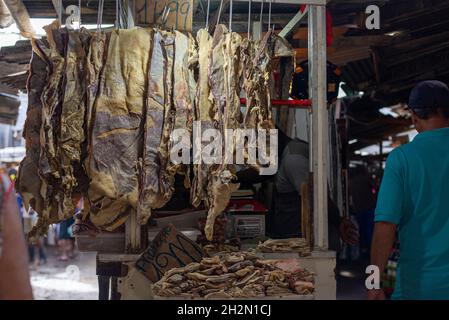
[(60, 12), (79, 17), (269, 15), (207, 14), (230, 15), (261, 17), (116, 14), (164, 15), (249, 18), (100, 15), (219, 11)]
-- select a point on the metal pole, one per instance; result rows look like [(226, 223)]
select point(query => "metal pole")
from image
[(130, 14), (207, 14), (60, 12), (219, 12), (79, 17), (269, 15), (318, 149), (249, 19), (230, 15), (261, 18)]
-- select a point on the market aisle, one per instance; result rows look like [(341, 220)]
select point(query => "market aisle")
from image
[(351, 279), (71, 280)]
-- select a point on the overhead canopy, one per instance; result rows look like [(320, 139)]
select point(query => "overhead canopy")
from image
[(412, 44)]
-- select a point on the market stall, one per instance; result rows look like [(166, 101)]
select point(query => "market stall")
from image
[(111, 110)]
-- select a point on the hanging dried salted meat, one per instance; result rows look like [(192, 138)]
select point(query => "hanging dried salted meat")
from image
[(116, 134), (155, 188), (233, 67), (71, 137), (56, 110), (184, 95), (258, 68), (166, 179), (257, 76), (28, 182), (224, 82), (52, 98), (96, 59), (94, 66)]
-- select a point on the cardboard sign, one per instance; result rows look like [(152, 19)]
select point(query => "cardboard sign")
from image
[(180, 16), (169, 249)]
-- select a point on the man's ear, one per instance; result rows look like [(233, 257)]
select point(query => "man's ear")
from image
[(417, 122), (414, 118)]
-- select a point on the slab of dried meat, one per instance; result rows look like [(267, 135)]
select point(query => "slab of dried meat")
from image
[(116, 134)]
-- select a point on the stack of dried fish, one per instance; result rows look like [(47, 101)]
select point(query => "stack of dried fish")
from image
[(233, 275), (297, 245)]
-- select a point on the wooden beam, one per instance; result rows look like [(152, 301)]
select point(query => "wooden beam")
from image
[(278, 19), (337, 32), (294, 23)]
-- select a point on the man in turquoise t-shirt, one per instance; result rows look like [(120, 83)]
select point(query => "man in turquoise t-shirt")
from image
[(414, 199)]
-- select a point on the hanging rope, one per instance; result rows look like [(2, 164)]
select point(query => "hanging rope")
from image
[(116, 14), (269, 15), (219, 12), (230, 15), (207, 14), (164, 16), (261, 17), (79, 17), (60, 12), (120, 14), (249, 19), (100, 15)]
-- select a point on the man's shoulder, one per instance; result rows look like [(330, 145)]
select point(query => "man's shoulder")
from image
[(398, 156), (408, 148)]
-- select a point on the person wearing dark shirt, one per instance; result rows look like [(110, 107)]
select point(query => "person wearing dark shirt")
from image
[(293, 171)]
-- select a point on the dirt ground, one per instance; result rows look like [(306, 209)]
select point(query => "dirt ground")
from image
[(71, 280)]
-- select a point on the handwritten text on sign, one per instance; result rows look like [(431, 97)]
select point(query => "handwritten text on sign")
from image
[(179, 16)]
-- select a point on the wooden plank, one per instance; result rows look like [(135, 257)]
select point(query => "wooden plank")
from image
[(293, 23), (302, 33)]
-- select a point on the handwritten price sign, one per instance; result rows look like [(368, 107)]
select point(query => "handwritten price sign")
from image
[(180, 14)]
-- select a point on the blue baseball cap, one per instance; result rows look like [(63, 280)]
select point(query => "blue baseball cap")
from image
[(429, 94)]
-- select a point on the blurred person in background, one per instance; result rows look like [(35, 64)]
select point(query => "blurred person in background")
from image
[(65, 243), (66, 239), (37, 245), (362, 204)]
